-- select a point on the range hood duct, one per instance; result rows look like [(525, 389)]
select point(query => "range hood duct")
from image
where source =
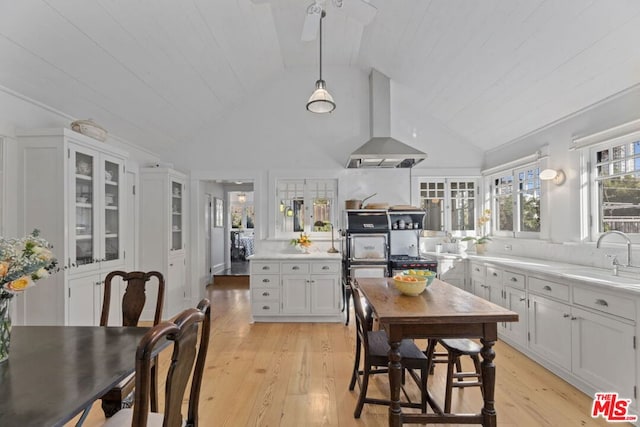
[(383, 151)]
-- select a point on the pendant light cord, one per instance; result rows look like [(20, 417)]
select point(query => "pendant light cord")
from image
[(322, 14)]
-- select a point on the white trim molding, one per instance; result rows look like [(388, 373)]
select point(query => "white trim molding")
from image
[(618, 134)]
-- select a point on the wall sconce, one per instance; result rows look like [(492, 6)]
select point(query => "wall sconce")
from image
[(242, 198), (557, 176), (289, 212), (281, 206)]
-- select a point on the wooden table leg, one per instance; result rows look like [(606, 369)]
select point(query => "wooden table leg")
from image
[(488, 383), (395, 379)]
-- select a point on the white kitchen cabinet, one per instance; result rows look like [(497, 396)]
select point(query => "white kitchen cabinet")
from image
[(603, 352), (584, 333), (79, 209), (293, 290), (86, 294), (453, 271), (163, 231), (550, 330)]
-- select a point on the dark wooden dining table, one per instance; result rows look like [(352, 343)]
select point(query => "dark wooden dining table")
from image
[(55, 372), (441, 311)]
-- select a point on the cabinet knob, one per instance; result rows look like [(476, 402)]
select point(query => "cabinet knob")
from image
[(170, 265), (565, 315), (574, 318), (265, 280), (295, 267), (547, 288), (602, 302), (477, 269), (98, 283), (495, 274), (325, 267), (265, 267), (514, 279), (266, 307), (265, 294)]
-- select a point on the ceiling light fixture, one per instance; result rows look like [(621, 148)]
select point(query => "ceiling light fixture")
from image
[(557, 176), (321, 100), (242, 197)]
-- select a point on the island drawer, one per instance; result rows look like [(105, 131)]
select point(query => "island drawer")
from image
[(552, 289), (325, 267), (265, 281), (265, 267), (260, 308), (295, 267), (612, 304), (494, 276), (265, 294)]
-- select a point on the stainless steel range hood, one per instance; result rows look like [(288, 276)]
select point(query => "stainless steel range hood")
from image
[(383, 151)]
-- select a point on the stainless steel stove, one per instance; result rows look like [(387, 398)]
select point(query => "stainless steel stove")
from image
[(398, 263)]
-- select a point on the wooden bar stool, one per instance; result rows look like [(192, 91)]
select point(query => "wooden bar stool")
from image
[(455, 349)]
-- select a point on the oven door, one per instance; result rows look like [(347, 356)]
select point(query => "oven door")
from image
[(368, 247), (367, 270)]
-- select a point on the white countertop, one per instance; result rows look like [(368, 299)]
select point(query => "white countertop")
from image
[(627, 280), (280, 256)]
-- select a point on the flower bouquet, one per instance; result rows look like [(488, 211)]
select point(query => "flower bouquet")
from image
[(303, 242), (22, 262)]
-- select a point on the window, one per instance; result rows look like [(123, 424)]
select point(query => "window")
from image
[(305, 206), (449, 204), (616, 187), (516, 201)]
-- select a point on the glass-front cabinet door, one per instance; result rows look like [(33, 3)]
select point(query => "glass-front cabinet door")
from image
[(177, 209), (112, 209), (83, 245), (95, 214)]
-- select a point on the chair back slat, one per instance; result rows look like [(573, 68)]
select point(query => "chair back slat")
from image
[(134, 298), (187, 362)]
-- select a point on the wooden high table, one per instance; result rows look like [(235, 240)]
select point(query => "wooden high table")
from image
[(54, 372), (441, 311)]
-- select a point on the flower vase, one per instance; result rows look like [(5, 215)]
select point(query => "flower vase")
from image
[(5, 327), (481, 248), (303, 249)]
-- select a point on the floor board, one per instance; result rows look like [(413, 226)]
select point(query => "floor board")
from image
[(297, 374)]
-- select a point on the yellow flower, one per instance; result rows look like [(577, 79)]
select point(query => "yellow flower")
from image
[(19, 284), (4, 268)]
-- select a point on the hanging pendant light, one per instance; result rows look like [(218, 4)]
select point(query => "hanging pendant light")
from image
[(242, 198), (321, 100)]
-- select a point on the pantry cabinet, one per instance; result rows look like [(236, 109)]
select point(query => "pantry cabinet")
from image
[(163, 205), (79, 209), (293, 290)]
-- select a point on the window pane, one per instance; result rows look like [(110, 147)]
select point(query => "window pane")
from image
[(620, 204), (291, 207), (504, 203), (323, 197), (462, 207), (529, 200), (432, 201)]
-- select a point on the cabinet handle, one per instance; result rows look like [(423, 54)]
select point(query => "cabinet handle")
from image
[(565, 315), (266, 307), (265, 294), (265, 267), (265, 280), (477, 269), (170, 265), (574, 318), (514, 279), (97, 283), (546, 288), (325, 267), (522, 298), (602, 302), (295, 267), (495, 274)]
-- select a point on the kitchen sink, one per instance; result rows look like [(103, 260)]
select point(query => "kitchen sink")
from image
[(597, 274)]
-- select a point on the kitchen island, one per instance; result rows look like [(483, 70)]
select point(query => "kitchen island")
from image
[(290, 287)]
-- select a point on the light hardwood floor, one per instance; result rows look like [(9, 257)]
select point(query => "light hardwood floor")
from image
[(297, 374)]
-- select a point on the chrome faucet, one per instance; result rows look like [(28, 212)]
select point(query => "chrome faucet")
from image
[(620, 233)]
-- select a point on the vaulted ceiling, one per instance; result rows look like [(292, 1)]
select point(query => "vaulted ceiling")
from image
[(160, 71)]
